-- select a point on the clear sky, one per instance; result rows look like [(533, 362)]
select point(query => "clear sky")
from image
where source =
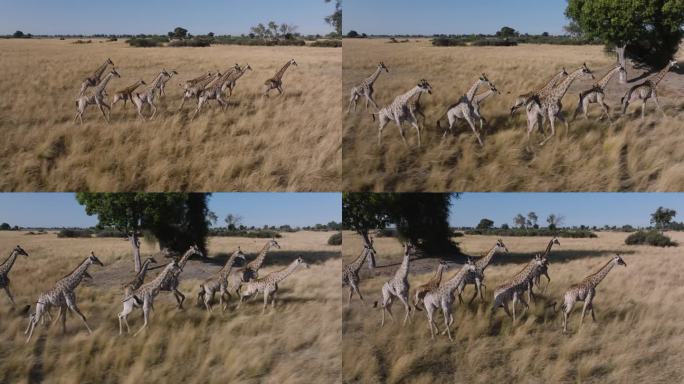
[(44, 17), (427, 17), (296, 209), (577, 208)]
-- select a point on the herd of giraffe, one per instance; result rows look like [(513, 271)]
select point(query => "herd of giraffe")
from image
[(243, 282), (437, 295), (208, 86), (540, 104)]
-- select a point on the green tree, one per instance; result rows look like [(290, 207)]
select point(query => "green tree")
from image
[(554, 221), (178, 33), (176, 220), (520, 221), (5, 227), (363, 212), (233, 221), (335, 19), (507, 32), (532, 219), (485, 224), (18, 35), (352, 34), (662, 218), (649, 31)]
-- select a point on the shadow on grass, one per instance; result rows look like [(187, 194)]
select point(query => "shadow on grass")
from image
[(279, 257)]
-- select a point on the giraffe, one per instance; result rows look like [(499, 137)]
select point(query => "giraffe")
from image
[(398, 286), (97, 98), (276, 82), (218, 283), (596, 94), (192, 88), (269, 284), (144, 297), (192, 82), (62, 295), (513, 288), (251, 270), (147, 96), (432, 284), (171, 284), (94, 79), (524, 99), (365, 89), (126, 94), (399, 112), (5, 269), (165, 79), (464, 109), (548, 104), (350, 272), (477, 278), (442, 297), (479, 98), (544, 270), (231, 82), (647, 90), (213, 90), (586, 291), (139, 278)]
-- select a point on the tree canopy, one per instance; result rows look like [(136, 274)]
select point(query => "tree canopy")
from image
[(335, 19), (663, 217), (485, 224)]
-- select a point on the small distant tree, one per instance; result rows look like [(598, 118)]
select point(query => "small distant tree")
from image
[(507, 32), (554, 221), (545, 34), (18, 35), (233, 221), (532, 219), (485, 224), (5, 227), (335, 19), (210, 34), (520, 221), (178, 33), (504, 226), (662, 218), (353, 34), (573, 29)]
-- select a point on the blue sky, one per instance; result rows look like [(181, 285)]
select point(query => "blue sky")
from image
[(62, 210), (577, 208), (429, 17), (158, 17)]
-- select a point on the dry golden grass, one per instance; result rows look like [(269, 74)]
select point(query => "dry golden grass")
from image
[(279, 143), (629, 155), (298, 343), (637, 336)]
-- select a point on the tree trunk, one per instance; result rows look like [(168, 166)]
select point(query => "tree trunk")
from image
[(366, 240), (621, 59), (135, 245)]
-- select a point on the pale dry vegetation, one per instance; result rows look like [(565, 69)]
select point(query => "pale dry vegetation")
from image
[(637, 336), (290, 142), (298, 343), (628, 155)]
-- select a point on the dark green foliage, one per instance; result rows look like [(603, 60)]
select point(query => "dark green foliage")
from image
[(231, 40), (525, 232), (5, 227), (662, 217), (110, 233), (327, 43), (653, 238), (82, 42), (335, 20), (257, 233), (448, 42), (507, 32), (485, 224), (353, 34), (335, 239), (194, 42), (74, 233), (140, 42), (494, 42)]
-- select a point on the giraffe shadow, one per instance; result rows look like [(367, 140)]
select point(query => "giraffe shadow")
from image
[(557, 255), (277, 257), (36, 372)]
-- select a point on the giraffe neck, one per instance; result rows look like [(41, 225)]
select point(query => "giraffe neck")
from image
[(547, 252), (277, 277), (483, 262), (162, 277), (402, 272), (371, 79), (143, 269), (597, 277), (230, 262), (7, 265), (563, 87), (455, 281), (657, 78), (552, 83), (74, 278), (438, 275), (198, 79), (472, 90), (157, 81), (601, 84), (98, 72), (403, 99), (132, 87), (103, 83), (259, 261), (184, 258), (279, 74), (356, 264), (482, 96)]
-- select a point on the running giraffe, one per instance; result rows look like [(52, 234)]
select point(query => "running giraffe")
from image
[(214, 90), (97, 98), (586, 291), (548, 104), (126, 94), (94, 79), (195, 86), (512, 290), (218, 283), (165, 79), (464, 109), (398, 112), (647, 90), (477, 278), (5, 269), (397, 287), (596, 94), (62, 296), (251, 270), (171, 284), (276, 82), (139, 278), (544, 270), (479, 98), (269, 284), (432, 284), (443, 298), (144, 297), (366, 88), (524, 99), (231, 82), (147, 96), (350, 272)]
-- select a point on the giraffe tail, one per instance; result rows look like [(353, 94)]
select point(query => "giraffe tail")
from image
[(417, 306), (375, 304), (25, 311)]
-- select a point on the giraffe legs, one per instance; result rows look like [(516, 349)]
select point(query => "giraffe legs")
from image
[(604, 106), (657, 103), (147, 305), (9, 294), (569, 304), (407, 307), (123, 315), (71, 304), (552, 121), (397, 121), (180, 298), (448, 319), (429, 311), (587, 303), (153, 107), (472, 126), (383, 122), (415, 125), (643, 109)]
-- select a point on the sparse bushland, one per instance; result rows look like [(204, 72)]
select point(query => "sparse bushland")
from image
[(638, 319), (288, 142), (526, 232), (628, 155)]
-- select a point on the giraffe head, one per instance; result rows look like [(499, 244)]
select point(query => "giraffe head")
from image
[(164, 72), (142, 82), (293, 62), (470, 265), (492, 88), (381, 65), (673, 64), (617, 259), (586, 72), (621, 70), (443, 264), (20, 251), (273, 243), (110, 62), (196, 250), (151, 260), (115, 73), (173, 72), (425, 86), (94, 260), (555, 241), (563, 72), (301, 262), (246, 68), (501, 247), (236, 67), (483, 79)]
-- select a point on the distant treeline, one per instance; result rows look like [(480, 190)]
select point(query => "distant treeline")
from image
[(532, 232)]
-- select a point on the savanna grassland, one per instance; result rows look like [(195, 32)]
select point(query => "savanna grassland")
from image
[(290, 142), (638, 336), (298, 342), (629, 155)]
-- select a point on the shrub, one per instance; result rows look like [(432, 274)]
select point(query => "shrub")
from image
[(72, 233), (335, 239), (447, 42), (140, 42), (327, 43), (259, 233), (194, 42), (494, 42), (653, 238), (82, 42)]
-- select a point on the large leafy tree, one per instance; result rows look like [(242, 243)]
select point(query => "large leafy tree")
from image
[(663, 217), (648, 30), (335, 20), (176, 220)]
